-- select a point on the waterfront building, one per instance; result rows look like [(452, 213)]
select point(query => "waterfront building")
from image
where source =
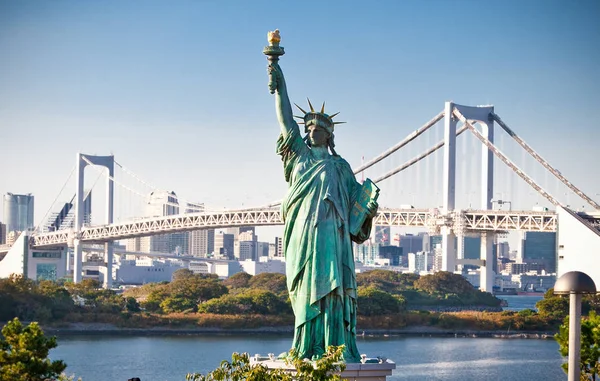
[(144, 271), (540, 248), (18, 212), (36, 264), (263, 266), (201, 267), (227, 269)]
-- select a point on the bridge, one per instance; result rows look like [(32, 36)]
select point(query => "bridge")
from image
[(446, 220)]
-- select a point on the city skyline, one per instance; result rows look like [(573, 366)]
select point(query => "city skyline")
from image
[(179, 95)]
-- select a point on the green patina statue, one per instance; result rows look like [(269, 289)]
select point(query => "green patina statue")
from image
[(320, 210)]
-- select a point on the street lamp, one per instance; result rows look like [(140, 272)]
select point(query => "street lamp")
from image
[(574, 283)]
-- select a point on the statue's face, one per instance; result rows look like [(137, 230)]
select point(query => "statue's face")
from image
[(318, 136)]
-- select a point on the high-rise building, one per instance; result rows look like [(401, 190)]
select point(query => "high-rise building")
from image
[(201, 242), (412, 243), (224, 245), (2, 233), (540, 248), (18, 212), (382, 235), (278, 247), (164, 203), (420, 262), (393, 253)]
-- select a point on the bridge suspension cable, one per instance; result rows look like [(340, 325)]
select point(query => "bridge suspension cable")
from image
[(54, 202), (416, 159), (135, 176), (404, 142), (544, 163), (505, 159)]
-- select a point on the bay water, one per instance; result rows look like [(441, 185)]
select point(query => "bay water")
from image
[(170, 358)]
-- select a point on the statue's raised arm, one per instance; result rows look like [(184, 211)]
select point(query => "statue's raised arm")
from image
[(277, 84)]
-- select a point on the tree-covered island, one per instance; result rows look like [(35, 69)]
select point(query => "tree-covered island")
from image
[(387, 301)]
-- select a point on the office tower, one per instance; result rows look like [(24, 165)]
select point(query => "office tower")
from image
[(278, 247), (2, 233), (540, 248), (18, 212), (392, 253), (224, 245), (245, 247), (164, 203), (412, 243), (201, 242), (420, 262), (382, 235), (133, 244)]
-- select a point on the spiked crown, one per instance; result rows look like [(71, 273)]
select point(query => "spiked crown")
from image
[(320, 119)]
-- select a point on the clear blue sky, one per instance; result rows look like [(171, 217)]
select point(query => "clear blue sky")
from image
[(178, 90)]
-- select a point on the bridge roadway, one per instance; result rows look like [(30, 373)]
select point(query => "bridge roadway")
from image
[(431, 219)]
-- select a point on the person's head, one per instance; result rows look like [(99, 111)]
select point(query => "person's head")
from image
[(318, 136), (318, 127)]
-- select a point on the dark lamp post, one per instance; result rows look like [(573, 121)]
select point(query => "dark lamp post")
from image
[(574, 283)]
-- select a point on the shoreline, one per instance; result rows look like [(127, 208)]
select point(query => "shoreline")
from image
[(95, 329)]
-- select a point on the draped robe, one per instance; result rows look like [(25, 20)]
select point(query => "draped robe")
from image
[(318, 248)]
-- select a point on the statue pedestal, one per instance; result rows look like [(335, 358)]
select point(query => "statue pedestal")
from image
[(353, 372)]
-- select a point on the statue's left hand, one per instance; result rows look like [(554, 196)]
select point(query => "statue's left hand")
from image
[(372, 207)]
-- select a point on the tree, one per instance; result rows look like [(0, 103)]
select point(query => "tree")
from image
[(238, 280), (326, 368), (590, 345), (374, 302), (24, 354), (444, 282), (274, 282)]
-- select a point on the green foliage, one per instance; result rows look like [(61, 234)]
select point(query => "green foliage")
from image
[(555, 307), (182, 294), (24, 354), (374, 302), (444, 282), (248, 302), (526, 312), (26, 299), (274, 282), (388, 281), (590, 345), (239, 280), (327, 368)]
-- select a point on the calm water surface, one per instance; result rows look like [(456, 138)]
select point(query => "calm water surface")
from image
[(160, 358), (521, 302)]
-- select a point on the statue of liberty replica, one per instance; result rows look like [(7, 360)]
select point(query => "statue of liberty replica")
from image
[(325, 210)]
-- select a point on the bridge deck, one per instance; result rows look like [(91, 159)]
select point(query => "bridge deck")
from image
[(432, 219)]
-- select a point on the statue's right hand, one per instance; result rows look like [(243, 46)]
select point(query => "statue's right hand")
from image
[(274, 77)]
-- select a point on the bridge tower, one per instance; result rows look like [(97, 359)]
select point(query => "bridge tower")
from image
[(481, 115), (84, 160)]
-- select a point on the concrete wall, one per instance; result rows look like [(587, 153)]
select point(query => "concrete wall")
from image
[(578, 246)]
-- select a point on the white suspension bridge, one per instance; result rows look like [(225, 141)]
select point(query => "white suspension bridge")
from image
[(446, 220)]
